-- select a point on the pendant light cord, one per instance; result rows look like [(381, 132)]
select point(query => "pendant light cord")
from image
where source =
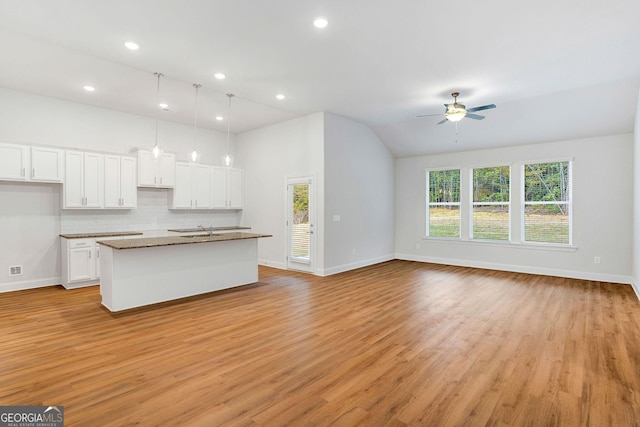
[(230, 95), (195, 118), (157, 104)]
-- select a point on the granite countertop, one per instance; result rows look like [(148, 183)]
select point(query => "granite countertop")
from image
[(105, 234), (197, 229), (149, 242)]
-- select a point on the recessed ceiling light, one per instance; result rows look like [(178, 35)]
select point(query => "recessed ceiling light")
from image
[(132, 45), (164, 106), (280, 96), (320, 22), (89, 88), (220, 76), (219, 118)]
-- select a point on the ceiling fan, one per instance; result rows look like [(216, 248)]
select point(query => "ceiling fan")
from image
[(456, 112)]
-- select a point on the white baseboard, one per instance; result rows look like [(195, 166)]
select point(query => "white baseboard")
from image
[(354, 265), (30, 284), (635, 286), (585, 275), (270, 263)]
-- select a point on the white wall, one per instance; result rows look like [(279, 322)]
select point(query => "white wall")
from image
[(30, 213), (39, 120), (636, 203), (269, 155), (602, 215), (359, 176), (29, 229)]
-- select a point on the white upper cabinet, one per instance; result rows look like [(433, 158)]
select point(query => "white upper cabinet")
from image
[(25, 163), (192, 187), (227, 188), (156, 173), (120, 190), (47, 164), (84, 180), (14, 162)]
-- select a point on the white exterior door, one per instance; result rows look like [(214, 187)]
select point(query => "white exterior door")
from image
[(301, 238)]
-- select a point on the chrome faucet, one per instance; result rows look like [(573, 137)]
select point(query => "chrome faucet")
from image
[(209, 229)]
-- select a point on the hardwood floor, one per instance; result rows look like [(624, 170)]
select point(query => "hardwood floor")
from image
[(399, 343)]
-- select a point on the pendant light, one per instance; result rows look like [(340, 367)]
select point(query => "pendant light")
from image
[(195, 155), (156, 150), (227, 159)]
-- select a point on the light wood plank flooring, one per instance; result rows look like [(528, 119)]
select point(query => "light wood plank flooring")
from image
[(399, 343)]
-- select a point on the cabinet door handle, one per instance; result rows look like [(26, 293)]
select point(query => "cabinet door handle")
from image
[(155, 180), (196, 203), (22, 173), (33, 172), (160, 180), (89, 255)]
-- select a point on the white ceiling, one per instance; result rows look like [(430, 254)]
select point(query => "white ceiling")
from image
[(556, 69)]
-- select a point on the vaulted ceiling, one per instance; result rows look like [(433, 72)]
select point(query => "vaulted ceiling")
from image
[(556, 69)]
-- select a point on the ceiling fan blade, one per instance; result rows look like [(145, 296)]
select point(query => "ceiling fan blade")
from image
[(474, 116), (429, 115), (442, 121), (484, 107)]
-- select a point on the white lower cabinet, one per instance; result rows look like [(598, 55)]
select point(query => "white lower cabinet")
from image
[(192, 187), (80, 262)]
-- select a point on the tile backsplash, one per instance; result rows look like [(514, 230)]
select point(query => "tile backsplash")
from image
[(152, 213)]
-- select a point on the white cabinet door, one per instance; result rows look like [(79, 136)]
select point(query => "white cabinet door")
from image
[(112, 196), (234, 189), (182, 190), (73, 180), (219, 188), (82, 264), (120, 189), (167, 170), (128, 187), (201, 189), (14, 162), (227, 188), (146, 169), (47, 164), (156, 172), (84, 180), (93, 180)]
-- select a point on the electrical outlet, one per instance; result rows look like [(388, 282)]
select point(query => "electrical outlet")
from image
[(353, 251), (15, 270), (596, 260)]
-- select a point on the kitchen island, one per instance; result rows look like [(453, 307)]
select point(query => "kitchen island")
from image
[(142, 271)]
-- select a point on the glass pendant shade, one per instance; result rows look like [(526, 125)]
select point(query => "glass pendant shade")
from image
[(227, 160)]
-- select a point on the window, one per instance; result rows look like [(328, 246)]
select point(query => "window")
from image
[(490, 207), (547, 202), (443, 208)]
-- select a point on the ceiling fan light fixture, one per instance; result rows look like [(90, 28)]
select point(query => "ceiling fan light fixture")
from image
[(455, 112)]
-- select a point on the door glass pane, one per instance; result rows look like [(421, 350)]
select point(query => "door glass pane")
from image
[(300, 231)]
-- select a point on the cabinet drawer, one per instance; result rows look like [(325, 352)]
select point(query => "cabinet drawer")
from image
[(81, 243)]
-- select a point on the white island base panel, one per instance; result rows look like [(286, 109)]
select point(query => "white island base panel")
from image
[(136, 277)]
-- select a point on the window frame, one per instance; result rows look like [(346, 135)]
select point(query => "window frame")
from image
[(428, 203), (472, 204), (524, 203)]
